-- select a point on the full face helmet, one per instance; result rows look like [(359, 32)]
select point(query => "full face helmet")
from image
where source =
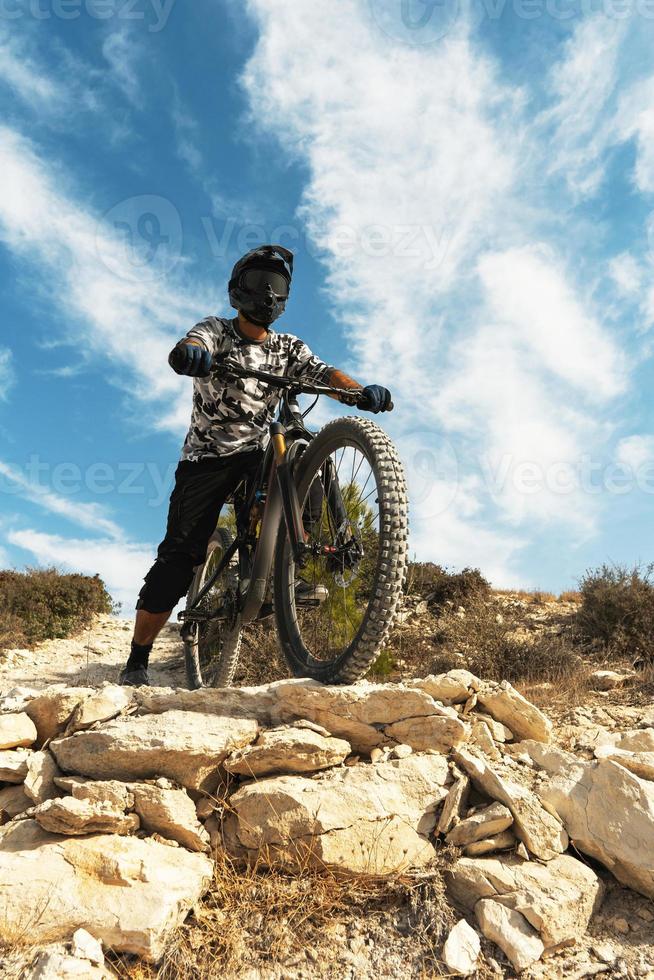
[(261, 282)]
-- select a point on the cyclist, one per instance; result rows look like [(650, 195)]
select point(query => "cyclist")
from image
[(229, 428)]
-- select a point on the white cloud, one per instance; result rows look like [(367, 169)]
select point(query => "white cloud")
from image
[(114, 305), (22, 74), (7, 377), (527, 290), (635, 120), (635, 451), (583, 83), (421, 160), (123, 53), (120, 564), (627, 273), (90, 516)]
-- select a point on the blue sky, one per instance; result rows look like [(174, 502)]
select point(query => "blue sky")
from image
[(468, 188)]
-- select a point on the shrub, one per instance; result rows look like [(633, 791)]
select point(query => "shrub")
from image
[(617, 611), (493, 646), (43, 604), (439, 587)]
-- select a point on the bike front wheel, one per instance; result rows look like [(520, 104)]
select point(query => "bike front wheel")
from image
[(212, 653), (335, 612)]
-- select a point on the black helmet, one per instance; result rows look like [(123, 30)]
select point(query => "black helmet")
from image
[(261, 282)]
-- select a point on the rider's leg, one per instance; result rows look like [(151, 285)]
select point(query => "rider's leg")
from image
[(195, 504)]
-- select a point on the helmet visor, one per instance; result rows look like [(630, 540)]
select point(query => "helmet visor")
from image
[(258, 281)]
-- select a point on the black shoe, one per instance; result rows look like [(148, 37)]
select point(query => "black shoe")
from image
[(134, 677)]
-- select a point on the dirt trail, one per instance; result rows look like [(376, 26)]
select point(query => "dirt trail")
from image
[(91, 657)]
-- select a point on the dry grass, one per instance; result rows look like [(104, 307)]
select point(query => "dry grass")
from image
[(531, 596), (257, 916), (570, 596)]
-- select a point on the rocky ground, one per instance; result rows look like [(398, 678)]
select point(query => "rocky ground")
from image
[(123, 810)]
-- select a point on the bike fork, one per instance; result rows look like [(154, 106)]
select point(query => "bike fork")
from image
[(290, 503)]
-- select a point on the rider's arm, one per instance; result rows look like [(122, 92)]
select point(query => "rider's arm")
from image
[(338, 379)]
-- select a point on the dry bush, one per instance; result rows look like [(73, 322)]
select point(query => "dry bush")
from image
[(616, 616), (489, 645), (439, 587), (570, 596), (44, 604), (263, 916)]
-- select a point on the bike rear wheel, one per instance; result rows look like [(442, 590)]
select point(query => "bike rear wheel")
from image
[(335, 635), (212, 654)]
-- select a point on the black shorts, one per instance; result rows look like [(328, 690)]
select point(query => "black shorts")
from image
[(200, 491)]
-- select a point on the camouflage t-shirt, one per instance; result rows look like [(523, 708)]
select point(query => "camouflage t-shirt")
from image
[(234, 417)]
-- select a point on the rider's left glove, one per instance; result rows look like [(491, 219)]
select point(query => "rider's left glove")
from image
[(190, 360), (375, 399)]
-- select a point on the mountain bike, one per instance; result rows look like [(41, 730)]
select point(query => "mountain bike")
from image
[(320, 543)]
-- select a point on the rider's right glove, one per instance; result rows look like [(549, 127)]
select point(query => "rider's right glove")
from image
[(191, 360), (375, 399)]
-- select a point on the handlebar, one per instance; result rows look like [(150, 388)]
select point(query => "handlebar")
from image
[(349, 396)]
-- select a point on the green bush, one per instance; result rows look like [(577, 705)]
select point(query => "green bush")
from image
[(617, 611), (44, 604), (439, 587)]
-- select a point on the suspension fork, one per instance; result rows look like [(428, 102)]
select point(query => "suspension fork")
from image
[(290, 503)]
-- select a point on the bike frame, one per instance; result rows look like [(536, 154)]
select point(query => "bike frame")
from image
[(287, 436)]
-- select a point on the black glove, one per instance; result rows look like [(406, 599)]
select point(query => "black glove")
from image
[(191, 360), (375, 399)]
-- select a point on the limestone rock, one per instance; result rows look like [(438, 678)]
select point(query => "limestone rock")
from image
[(355, 712), (187, 747), (17, 731), (440, 733), (13, 765), (13, 800), (498, 731), (491, 820), (51, 710), (506, 705), (558, 898), (16, 699), (607, 811), (482, 738), (365, 818), (129, 893), (454, 687), (461, 949), (288, 750), (640, 763), (633, 740), (454, 805), (242, 702), (541, 832), (103, 705), (71, 816), (108, 792), (54, 964), (40, 779), (500, 842), (86, 947), (510, 931), (171, 813), (608, 680)]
